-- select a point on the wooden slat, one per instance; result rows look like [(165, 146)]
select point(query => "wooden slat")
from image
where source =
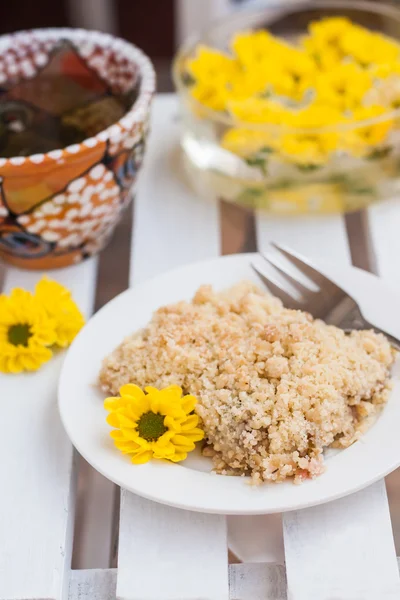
[(257, 582), (93, 584), (384, 228), (321, 237), (246, 582), (168, 554), (187, 550), (172, 227), (327, 555), (37, 495), (343, 549)]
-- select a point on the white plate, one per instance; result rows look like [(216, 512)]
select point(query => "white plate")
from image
[(190, 484)]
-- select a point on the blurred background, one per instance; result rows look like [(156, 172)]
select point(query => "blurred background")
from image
[(156, 26)]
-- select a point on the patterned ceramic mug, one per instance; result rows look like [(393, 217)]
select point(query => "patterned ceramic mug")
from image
[(61, 204)]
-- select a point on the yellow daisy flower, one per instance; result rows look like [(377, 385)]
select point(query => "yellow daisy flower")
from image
[(26, 332), (330, 31), (153, 424), (343, 87), (209, 64), (254, 49), (57, 301), (292, 74), (311, 147), (367, 47), (323, 43), (212, 94), (358, 141)]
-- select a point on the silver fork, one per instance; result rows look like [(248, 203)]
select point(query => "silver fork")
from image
[(329, 302)]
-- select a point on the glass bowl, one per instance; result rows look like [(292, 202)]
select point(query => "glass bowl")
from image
[(253, 170)]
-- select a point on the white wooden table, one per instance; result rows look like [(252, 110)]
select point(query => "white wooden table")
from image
[(340, 551)]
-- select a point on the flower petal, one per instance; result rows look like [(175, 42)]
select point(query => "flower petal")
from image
[(142, 457), (195, 435), (172, 424), (178, 456), (191, 422), (182, 443), (132, 390), (188, 404)]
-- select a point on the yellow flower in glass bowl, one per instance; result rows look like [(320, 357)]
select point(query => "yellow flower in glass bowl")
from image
[(367, 137), (153, 424), (369, 48), (209, 64), (292, 74), (254, 49), (303, 107), (60, 307), (26, 332), (343, 87), (309, 140)]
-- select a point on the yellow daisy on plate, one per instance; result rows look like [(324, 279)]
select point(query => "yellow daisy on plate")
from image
[(154, 423), (60, 307), (26, 332)]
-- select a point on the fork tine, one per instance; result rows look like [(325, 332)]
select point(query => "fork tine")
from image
[(304, 290), (307, 269), (275, 290)]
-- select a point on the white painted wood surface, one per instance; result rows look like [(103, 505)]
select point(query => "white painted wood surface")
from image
[(317, 567), (257, 582), (37, 492), (343, 550), (384, 226), (170, 554), (171, 227), (93, 584)]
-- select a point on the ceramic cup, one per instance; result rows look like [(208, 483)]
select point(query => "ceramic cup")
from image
[(60, 206)]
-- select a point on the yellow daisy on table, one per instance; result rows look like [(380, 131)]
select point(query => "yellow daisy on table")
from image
[(26, 332), (57, 301), (154, 423)]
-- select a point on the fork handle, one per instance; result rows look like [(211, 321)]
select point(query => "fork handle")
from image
[(355, 320)]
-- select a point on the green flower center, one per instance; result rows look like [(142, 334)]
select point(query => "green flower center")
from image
[(18, 335), (151, 426)]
